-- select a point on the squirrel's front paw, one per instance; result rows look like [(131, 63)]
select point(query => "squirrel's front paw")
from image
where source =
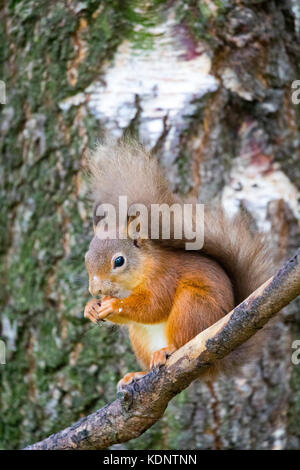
[(98, 310), (91, 310), (107, 308)]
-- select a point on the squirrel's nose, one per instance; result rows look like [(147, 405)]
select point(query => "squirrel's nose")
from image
[(94, 292), (95, 286)]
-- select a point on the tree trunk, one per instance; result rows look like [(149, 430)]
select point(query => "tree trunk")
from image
[(208, 86)]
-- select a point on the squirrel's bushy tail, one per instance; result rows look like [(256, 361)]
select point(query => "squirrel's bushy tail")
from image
[(243, 254)]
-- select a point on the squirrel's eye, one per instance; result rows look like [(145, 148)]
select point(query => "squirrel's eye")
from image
[(119, 261)]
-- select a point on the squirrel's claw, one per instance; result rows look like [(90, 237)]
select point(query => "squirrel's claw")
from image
[(160, 356), (91, 310)]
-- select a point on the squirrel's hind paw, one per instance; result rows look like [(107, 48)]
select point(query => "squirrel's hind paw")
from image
[(160, 356), (129, 378)]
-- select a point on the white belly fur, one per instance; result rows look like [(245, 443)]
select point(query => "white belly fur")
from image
[(156, 335)]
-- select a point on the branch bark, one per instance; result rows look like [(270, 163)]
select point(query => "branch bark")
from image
[(144, 402)]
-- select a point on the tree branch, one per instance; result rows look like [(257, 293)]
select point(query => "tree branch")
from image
[(144, 402)]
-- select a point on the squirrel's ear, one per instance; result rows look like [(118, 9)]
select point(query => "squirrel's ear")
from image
[(135, 230), (138, 242), (133, 226)]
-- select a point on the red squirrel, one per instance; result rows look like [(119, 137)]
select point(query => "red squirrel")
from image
[(164, 293)]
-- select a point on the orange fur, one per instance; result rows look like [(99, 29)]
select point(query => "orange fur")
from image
[(187, 291)]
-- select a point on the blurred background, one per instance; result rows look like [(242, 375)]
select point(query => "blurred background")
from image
[(208, 86)]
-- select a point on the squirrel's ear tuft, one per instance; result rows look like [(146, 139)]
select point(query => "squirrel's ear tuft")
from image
[(137, 228), (130, 218)]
